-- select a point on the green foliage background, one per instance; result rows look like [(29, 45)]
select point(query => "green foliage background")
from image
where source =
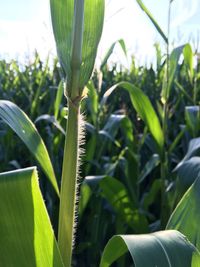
[(121, 187)]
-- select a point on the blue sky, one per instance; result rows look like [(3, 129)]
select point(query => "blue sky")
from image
[(25, 26)]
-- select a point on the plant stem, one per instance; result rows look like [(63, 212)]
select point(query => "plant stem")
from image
[(164, 202), (69, 185), (164, 160), (68, 195)]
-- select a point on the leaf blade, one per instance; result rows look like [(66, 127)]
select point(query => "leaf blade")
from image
[(19, 122), (62, 15), (188, 207), (148, 13), (144, 108), (165, 248), (27, 238)]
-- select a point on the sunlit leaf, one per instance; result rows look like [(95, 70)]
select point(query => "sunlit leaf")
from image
[(195, 260), (144, 108), (25, 129), (27, 238), (117, 195), (62, 14), (186, 216), (188, 58)]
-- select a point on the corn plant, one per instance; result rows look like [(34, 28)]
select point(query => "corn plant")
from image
[(77, 29)]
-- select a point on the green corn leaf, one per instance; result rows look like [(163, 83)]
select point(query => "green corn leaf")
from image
[(186, 216), (150, 197), (187, 173), (183, 91), (144, 8), (193, 150), (19, 122), (52, 120), (158, 56), (85, 194), (59, 96), (195, 260), (27, 238), (144, 108), (166, 248), (92, 101), (177, 140), (192, 117), (173, 64), (117, 195), (188, 58), (64, 21), (149, 166), (110, 51)]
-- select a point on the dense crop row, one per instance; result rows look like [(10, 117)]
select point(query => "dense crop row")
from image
[(122, 190), (139, 187)]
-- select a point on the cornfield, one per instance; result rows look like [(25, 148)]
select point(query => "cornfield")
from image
[(117, 153)]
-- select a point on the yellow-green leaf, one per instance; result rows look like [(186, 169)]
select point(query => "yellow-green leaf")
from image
[(26, 235), (186, 216)]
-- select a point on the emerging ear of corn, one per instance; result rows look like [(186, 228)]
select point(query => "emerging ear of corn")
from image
[(77, 26)]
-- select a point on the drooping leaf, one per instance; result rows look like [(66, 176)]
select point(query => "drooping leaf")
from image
[(186, 216), (19, 122), (63, 17), (193, 150), (149, 166), (52, 120), (110, 51), (144, 108), (27, 238), (187, 173), (165, 248), (112, 126), (148, 13)]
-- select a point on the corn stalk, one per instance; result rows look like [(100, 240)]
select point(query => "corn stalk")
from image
[(77, 29)]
